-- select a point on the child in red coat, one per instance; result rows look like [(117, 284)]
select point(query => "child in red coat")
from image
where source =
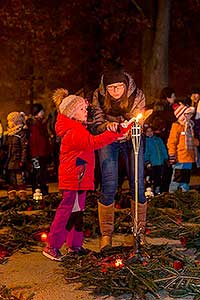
[(76, 172)]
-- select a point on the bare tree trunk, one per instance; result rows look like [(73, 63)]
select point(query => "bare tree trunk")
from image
[(155, 51)]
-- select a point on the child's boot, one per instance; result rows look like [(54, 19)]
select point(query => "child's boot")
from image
[(12, 194), (22, 194)]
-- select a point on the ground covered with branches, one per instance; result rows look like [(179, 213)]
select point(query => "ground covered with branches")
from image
[(172, 267)]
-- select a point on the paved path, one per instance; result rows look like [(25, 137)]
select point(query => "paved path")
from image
[(34, 273)]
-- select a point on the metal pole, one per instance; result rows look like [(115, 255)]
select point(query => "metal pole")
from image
[(136, 138)]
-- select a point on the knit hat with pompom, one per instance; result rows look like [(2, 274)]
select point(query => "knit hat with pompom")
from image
[(16, 118), (180, 110), (67, 104)]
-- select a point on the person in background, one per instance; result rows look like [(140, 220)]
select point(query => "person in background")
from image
[(2, 152), (54, 139), (163, 114), (117, 99), (161, 120), (195, 99), (76, 172), (182, 147), (39, 148), (155, 156), (1, 134), (17, 149)]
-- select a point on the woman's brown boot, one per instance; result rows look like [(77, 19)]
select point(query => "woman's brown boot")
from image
[(106, 222), (22, 194)]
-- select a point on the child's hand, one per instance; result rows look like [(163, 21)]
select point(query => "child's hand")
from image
[(148, 165), (196, 142), (172, 159), (112, 126), (123, 129)]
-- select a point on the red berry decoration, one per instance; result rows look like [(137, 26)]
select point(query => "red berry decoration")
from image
[(145, 263), (3, 251), (117, 205), (147, 231), (178, 265), (87, 232), (179, 220), (183, 241)]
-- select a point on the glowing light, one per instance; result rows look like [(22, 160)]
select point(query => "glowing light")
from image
[(118, 263), (138, 117), (43, 237)]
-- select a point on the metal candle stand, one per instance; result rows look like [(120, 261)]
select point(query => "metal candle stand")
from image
[(136, 139)]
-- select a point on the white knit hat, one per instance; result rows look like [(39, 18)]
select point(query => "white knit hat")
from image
[(70, 105), (67, 104), (16, 118)]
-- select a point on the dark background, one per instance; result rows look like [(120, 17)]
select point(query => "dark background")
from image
[(51, 44)]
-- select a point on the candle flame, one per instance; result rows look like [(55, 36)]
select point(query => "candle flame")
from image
[(119, 262), (44, 237), (138, 117)]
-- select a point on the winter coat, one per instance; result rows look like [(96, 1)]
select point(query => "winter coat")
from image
[(176, 144), (100, 118), (17, 145), (197, 128), (155, 151), (39, 139), (76, 169)]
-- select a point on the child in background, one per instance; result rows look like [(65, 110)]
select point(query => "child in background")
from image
[(17, 144), (39, 149), (76, 172), (155, 155), (182, 147)]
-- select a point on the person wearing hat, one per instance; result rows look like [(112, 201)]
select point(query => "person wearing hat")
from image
[(17, 149), (161, 120), (195, 99), (75, 174), (39, 148), (181, 147), (195, 96), (117, 99)]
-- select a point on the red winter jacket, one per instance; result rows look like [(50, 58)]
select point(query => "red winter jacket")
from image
[(76, 169)]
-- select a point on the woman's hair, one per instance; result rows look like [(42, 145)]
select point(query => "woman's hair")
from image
[(166, 93), (123, 103)]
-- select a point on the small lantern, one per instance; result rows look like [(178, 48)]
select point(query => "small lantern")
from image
[(148, 193), (37, 196), (178, 265)]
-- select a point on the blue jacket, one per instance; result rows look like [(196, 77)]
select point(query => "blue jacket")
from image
[(155, 151)]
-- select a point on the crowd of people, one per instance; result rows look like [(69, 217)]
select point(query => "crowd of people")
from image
[(168, 149), (25, 150)]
